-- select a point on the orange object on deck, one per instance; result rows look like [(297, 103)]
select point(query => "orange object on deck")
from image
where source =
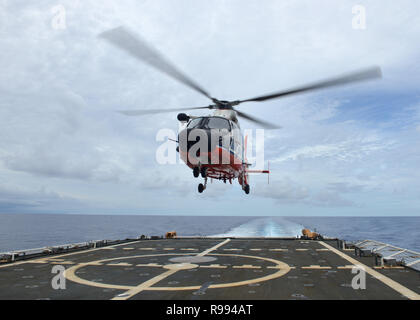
[(170, 235), (309, 234)]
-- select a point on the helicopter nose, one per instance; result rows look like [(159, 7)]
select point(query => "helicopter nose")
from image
[(189, 137)]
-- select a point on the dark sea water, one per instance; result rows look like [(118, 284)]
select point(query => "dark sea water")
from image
[(26, 231)]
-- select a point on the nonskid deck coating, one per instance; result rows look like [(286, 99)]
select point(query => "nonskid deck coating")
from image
[(232, 269)]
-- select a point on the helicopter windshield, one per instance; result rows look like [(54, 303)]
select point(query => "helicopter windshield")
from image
[(217, 123), (194, 123), (209, 123)]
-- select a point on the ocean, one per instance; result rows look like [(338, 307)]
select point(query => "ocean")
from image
[(27, 231)]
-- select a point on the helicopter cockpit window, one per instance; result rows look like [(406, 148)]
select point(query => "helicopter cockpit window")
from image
[(194, 123), (217, 123)]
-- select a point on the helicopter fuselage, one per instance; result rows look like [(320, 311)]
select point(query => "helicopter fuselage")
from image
[(213, 146)]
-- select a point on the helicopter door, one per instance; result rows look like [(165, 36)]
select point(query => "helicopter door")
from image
[(236, 145)]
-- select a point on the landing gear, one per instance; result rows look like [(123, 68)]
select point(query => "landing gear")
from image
[(243, 179), (202, 187), (203, 172), (200, 170)]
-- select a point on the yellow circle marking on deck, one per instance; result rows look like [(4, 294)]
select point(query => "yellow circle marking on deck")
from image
[(281, 267)]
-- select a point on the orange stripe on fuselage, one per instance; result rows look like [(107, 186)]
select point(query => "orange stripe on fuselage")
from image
[(217, 170)]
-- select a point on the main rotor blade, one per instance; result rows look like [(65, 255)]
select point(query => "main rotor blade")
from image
[(131, 43), (265, 124), (363, 75), (134, 113)]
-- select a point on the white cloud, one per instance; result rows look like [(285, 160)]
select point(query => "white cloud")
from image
[(344, 150)]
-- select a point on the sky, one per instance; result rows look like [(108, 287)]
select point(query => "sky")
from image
[(348, 151)]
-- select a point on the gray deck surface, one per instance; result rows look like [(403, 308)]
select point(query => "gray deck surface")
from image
[(239, 269)]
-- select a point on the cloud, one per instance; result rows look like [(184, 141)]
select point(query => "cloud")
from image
[(19, 198), (283, 190), (344, 150), (287, 191), (343, 187)]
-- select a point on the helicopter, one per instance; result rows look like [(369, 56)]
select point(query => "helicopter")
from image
[(213, 146)]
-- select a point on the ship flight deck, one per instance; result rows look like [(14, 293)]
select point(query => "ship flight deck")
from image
[(209, 269)]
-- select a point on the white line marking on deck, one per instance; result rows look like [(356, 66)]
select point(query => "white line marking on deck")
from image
[(33, 261), (316, 267), (62, 262), (148, 265), (217, 266), (92, 264), (277, 267), (213, 248), (388, 281), (346, 267), (246, 266), (132, 292)]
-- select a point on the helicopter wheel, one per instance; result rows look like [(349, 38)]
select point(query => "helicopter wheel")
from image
[(246, 189), (200, 188), (196, 172), (203, 172)]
